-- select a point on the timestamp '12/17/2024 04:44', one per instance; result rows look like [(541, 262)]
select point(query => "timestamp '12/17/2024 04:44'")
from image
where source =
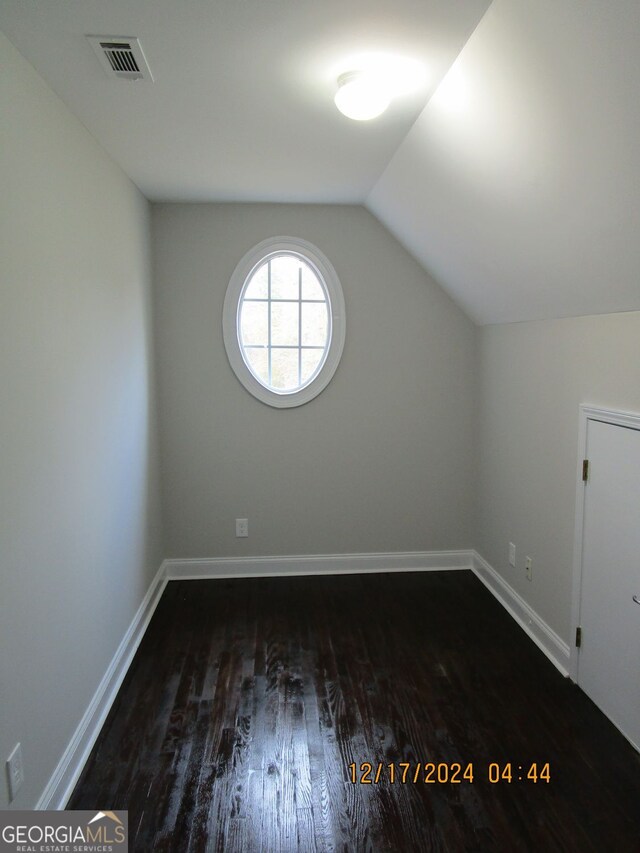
[(451, 773)]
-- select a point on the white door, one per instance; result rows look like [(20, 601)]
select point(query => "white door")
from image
[(609, 657)]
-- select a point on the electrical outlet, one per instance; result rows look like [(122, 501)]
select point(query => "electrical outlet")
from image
[(15, 771), (512, 554), (242, 528), (527, 568)]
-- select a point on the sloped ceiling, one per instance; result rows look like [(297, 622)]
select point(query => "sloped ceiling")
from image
[(512, 174), (242, 104), (519, 185)]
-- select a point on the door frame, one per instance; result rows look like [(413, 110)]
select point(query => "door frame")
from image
[(614, 418)]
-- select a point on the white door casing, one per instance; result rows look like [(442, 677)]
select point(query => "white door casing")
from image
[(607, 567)]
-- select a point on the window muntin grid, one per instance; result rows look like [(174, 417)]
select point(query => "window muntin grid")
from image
[(320, 283), (284, 322)]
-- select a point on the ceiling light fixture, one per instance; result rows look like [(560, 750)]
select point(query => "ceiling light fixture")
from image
[(362, 95)]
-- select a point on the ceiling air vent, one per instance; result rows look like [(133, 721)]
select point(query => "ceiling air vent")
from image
[(121, 57)]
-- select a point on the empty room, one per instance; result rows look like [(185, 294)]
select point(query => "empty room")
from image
[(320, 425)]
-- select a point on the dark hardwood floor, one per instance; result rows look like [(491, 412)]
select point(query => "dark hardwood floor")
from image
[(251, 704)]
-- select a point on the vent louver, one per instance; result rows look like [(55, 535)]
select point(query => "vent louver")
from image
[(121, 57)]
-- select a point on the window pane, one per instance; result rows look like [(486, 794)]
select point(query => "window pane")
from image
[(311, 287), (284, 323), (259, 363), (311, 359), (284, 277), (314, 324), (254, 323), (284, 369), (257, 287), (282, 337)]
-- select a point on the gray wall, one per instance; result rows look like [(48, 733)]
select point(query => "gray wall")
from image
[(380, 461), (79, 527), (423, 409), (533, 378)]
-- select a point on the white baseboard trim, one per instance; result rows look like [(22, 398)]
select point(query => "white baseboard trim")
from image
[(70, 766), (542, 635), (320, 564)]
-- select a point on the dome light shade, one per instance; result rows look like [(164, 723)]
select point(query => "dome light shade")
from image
[(361, 96)]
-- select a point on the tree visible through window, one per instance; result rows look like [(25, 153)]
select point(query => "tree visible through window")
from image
[(284, 321)]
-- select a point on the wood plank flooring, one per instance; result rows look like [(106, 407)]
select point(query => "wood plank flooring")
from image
[(251, 704)]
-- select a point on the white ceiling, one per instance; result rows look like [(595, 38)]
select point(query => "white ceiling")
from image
[(517, 185), (242, 104), (519, 188)]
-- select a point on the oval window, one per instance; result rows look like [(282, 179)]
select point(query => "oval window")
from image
[(283, 321)]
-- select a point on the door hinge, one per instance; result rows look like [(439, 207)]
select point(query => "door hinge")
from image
[(578, 637), (585, 470)]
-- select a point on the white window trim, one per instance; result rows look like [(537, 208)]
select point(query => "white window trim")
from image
[(230, 318)]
